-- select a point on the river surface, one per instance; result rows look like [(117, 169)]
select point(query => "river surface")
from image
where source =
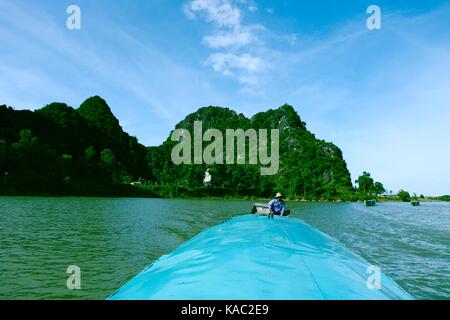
[(111, 240)]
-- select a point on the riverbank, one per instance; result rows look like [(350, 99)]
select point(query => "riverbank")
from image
[(170, 192)]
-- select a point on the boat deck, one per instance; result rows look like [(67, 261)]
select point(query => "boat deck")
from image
[(252, 257)]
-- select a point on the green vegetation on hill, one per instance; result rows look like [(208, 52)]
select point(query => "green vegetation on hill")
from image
[(59, 150), (309, 168)]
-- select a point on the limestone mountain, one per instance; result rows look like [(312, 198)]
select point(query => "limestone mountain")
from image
[(61, 150), (309, 167)]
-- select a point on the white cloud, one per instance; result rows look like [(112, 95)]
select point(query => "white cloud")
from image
[(249, 80), (236, 59), (229, 39), (220, 12), (227, 62)]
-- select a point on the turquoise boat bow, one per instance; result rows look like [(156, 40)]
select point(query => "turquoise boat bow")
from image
[(252, 257)]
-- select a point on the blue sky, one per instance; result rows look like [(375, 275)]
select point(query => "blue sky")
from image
[(383, 96)]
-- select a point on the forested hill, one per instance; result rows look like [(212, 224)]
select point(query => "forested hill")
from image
[(309, 167), (62, 150)]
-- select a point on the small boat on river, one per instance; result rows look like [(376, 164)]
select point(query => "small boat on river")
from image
[(370, 203)]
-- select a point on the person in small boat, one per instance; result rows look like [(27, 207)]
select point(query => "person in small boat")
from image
[(277, 206)]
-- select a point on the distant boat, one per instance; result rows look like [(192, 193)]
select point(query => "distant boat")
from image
[(415, 203), (370, 203)]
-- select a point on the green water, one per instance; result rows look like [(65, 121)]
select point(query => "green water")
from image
[(111, 240)]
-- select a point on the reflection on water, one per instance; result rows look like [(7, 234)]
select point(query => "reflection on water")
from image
[(111, 240)]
